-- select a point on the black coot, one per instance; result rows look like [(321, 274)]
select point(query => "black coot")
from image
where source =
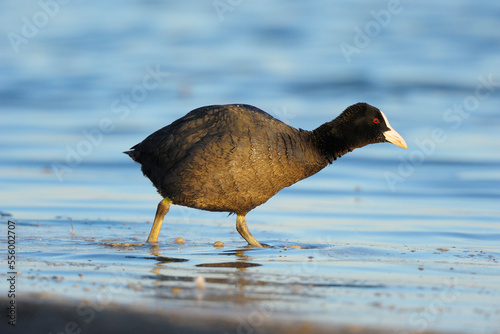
[(235, 157)]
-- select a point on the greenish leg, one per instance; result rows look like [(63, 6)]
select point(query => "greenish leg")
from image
[(241, 227), (161, 211)]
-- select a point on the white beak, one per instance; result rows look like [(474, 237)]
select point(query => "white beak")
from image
[(392, 136)]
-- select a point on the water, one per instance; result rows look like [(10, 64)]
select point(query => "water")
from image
[(392, 239)]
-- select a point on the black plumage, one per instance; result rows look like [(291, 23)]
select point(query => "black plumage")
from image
[(235, 157)]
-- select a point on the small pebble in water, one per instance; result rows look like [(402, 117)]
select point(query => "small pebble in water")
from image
[(180, 240), (218, 244)]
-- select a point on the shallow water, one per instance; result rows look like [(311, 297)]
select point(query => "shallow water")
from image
[(404, 240)]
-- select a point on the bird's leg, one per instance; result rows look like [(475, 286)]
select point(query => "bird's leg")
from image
[(161, 211), (241, 227)]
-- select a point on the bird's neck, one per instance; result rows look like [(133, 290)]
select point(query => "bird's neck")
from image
[(334, 139)]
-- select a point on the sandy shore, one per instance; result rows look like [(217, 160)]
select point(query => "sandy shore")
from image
[(51, 314)]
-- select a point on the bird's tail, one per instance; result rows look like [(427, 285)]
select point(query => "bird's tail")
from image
[(133, 154)]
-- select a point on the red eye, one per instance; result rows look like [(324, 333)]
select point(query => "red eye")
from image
[(375, 120)]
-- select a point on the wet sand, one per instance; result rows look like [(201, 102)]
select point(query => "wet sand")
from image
[(54, 314), (102, 281)]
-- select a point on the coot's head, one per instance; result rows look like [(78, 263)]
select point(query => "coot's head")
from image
[(370, 125)]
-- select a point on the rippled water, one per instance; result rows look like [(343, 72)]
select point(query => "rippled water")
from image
[(402, 240)]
